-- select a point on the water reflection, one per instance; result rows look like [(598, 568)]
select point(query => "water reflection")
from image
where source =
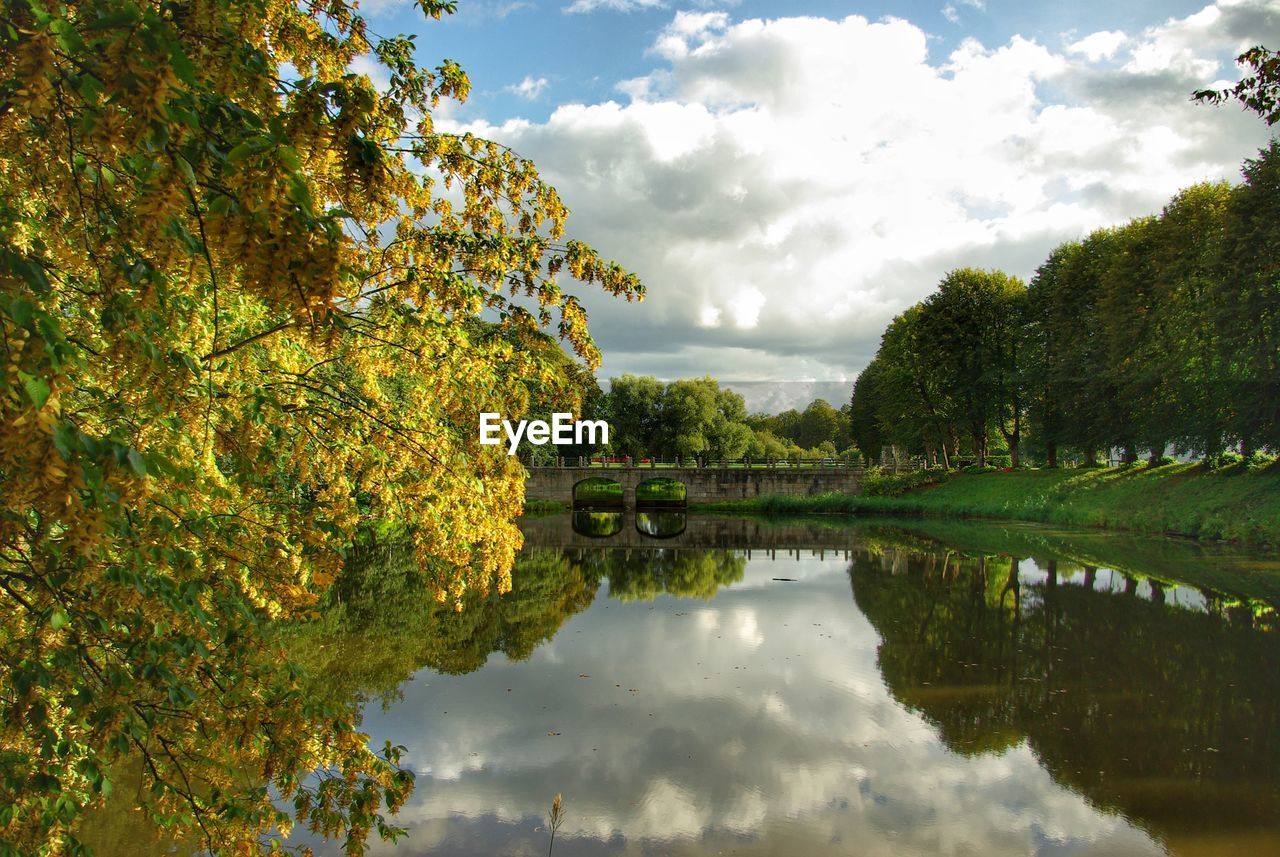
[(597, 524), (643, 575), (961, 701), (1153, 706), (661, 524), (956, 689)]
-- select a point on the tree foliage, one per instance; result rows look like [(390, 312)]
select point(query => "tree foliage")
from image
[(236, 280), (1161, 331), (1259, 92), (819, 422), (1015, 655), (695, 418)]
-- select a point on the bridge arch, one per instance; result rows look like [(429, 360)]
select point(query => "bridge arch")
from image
[(662, 491), (598, 491)]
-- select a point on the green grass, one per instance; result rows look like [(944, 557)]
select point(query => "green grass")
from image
[(597, 490), (1234, 504), (660, 489)]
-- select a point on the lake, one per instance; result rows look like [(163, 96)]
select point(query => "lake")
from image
[(700, 686)]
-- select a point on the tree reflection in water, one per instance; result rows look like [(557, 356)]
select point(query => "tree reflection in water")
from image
[(1164, 714), (661, 524), (597, 524), (380, 624)]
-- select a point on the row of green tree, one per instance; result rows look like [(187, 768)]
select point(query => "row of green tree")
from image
[(695, 418), (1162, 332)]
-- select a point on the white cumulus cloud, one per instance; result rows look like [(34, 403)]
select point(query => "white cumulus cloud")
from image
[(1099, 46), (785, 186), (529, 88)]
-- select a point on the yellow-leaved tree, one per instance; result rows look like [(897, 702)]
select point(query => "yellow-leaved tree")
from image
[(241, 292)]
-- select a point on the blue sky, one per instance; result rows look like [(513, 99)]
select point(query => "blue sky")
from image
[(583, 55), (786, 177)]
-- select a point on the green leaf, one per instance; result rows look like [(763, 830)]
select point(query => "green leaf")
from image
[(185, 168), (37, 389), (244, 150), (58, 619), (220, 204), (289, 157), (21, 311), (64, 439), (182, 65), (137, 463), (89, 87), (123, 18), (300, 194)]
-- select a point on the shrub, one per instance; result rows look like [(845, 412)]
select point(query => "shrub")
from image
[(877, 483), (1258, 460), (1224, 459)]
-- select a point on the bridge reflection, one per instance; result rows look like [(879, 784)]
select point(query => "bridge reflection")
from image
[(674, 528), (661, 524), (654, 523), (596, 524)]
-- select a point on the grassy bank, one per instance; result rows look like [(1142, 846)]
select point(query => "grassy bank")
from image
[(1238, 570), (1235, 504)]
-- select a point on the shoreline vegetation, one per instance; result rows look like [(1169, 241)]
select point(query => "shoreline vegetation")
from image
[(1236, 504), (1169, 562)]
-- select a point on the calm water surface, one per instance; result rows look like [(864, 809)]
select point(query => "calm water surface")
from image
[(813, 689)]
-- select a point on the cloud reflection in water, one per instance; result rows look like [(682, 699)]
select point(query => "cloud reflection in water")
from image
[(757, 723)]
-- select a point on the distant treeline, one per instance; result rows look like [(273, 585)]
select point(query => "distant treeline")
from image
[(1162, 332), (695, 419)]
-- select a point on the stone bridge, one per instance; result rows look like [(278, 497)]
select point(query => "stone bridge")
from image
[(702, 484)]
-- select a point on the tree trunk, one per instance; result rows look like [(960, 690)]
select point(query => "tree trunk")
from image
[(1212, 446), (1011, 583), (980, 447), (1012, 439), (1130, 454), (1051, 453), (1157, 591)]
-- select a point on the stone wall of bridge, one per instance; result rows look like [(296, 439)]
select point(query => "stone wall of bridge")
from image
[(702, 484)]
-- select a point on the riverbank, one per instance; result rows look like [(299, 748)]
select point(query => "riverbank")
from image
[(1233, 504)]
